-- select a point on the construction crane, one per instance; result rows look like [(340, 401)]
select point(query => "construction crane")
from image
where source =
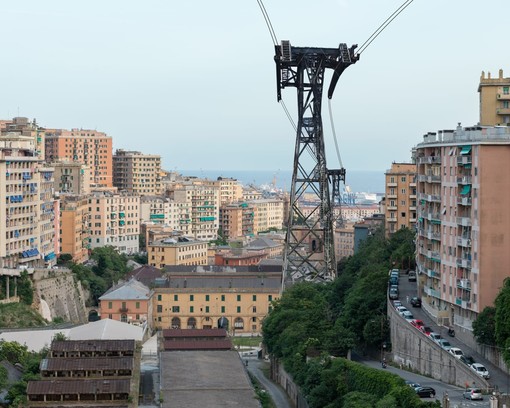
[(309, 249)]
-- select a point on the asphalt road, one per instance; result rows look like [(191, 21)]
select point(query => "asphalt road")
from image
[(277, 393), (499, 379)]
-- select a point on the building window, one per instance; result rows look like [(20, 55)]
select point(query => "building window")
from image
[(191, 298), (403, 179), (191, 309), (254, 298), (207, 309), (137, 305), (269, 298), (137, 317), (175, 309), (223, 309), (160, 308), (254, 309), (222, 298), (238, 298), (506, 90), (176, 298), (254, 319), (110, 305), (159, 297), (238, 309)]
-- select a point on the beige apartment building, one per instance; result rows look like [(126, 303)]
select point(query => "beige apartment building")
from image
[(88, 147), (136, 172), (463, 220), (115, 221), (177, 251), (400, 189), (162, 210), (237, 220), (200, 300), (268, 213), (30, 214), (74, 227), (230, 190), (344, 241), (71, 177), (494, 100)]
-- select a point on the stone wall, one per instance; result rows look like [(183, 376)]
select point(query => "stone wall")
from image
[(63, 295), (280, 376), (417, 352)]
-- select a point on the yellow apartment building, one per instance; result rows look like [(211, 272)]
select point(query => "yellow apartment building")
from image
[(344, 241), (268, 213), (74, 227), (136, 172), (200, 300), (400, 190), (494, 100), (177, 251), (71, 177), (230, 190)]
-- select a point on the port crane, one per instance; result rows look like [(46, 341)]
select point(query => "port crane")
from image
[(309, 249)]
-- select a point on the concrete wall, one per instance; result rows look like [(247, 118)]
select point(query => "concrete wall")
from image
[(284, 379), (64, 296), (415, 351)]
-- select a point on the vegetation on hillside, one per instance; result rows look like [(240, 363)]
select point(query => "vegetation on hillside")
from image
[(313, 323), (492, 327), (15, 315)]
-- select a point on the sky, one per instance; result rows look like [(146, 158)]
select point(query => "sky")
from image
[(195, 81)]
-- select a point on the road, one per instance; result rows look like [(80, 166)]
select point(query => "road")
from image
[(499, 379), (277, 393)]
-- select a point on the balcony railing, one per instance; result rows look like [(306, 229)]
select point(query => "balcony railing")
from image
[(464, 284), (463, 263), (464, 160), (464, 221), (429, 160), (429, 178), (123, 309), (432, 292), (464, 180), (464, 242), (464, 201), (503, 97)]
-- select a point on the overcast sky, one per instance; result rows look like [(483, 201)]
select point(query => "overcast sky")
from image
[(194, 81)]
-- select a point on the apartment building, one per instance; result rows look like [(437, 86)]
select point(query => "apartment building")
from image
[(206, 301), (128, 302), (344, 241), (400, 189), (30, 214), (115, 221), (177, 251), (463, 220), (88, 147), (162, 210), (268, 213), (74, 227), (237, 220), (71, 177), (230, 189), (494, 100), (136, 172)]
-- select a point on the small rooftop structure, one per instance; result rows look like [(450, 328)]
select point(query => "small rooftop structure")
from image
[(130, 290)]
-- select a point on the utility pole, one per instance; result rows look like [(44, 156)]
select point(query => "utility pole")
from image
[(309, 248)]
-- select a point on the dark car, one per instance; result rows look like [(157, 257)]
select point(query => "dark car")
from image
[(415, 301), (425, 392), (426, 330), (467, 359)]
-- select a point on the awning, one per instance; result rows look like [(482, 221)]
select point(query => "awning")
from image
[(465, 190), (465, 150), (467, 166)]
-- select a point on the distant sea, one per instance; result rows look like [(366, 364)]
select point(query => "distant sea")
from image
[(357, 180)]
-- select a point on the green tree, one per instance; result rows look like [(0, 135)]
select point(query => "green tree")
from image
[(502, 315), (25, 289), (13, 352), (484, 327)]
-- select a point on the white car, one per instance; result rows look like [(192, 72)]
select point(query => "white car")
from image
[(480, 370), (406, 314), (400, 309), (457, 352), (435, 336), (444, 344)]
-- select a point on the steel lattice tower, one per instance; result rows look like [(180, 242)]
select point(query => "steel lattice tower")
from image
[(309, 248)]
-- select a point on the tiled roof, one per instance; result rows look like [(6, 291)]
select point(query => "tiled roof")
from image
[(57, 387), (224, 344), (94, 363), (130, 290), (194, 333), (93, 345)]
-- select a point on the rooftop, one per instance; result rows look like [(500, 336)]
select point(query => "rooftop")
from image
[(81, 386), (130, 290), (466, 135)]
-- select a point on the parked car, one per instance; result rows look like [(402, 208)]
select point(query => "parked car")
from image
[(424, 392), (406, 314), (412, 384), (415, 301), (435, 336), (393, 280), (480, 370), (444, 344), (397, 303), (401, 309), (457, 352), (473, 394), (467, 359), (412, 276), (426, 330), (393, 293), (417, 323)]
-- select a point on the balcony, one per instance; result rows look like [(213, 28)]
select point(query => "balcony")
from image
[(429, 178), (431, 273), (464, 284), (391, 219), (432, 292), (392, 208), (463, 263), (464, 221), (123, 309), (464, 242), (391, 196), (429, 160), (431, 198), (464, 201), (391, 184), (503, 111), (503, 97), (464, 180), (462, 160)]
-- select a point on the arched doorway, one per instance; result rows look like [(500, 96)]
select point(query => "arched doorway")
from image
[(123, 318), (239, 323), (223, 323), (176, 323), (93, 316), (192, 323)]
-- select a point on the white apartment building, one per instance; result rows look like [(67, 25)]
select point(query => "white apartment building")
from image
[(115, 221), (162, 210), (136, 172)]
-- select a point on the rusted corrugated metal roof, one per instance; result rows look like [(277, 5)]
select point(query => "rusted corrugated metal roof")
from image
[(194, 333), (80, 364), (93, 345), (58, 387), (224, 344)]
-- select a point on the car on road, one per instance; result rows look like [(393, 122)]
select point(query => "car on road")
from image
[(425, 392), (435, 336), (417, 323), (444, 344), (393, 293), (401, 309), (412, 384), (412, 276), (480, 370), (407, 315), (467, 359), (473, 394), (457, 352), (393, 280), (397, 303), (415, 301), (426, 330)]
